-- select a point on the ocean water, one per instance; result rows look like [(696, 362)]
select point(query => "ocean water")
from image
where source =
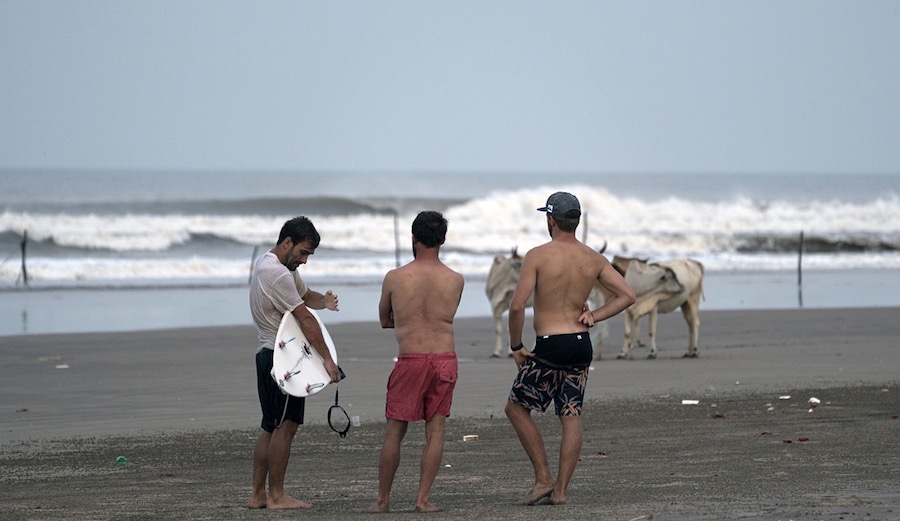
[(116, 236)]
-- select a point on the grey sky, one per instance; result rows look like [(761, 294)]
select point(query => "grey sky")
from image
[(658, 86)]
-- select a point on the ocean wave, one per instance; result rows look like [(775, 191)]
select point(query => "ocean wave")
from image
[(359, 237)]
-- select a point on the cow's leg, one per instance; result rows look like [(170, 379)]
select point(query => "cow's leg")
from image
[(638, 341), (626, 344), (691, 312), (651, 331), (498, 335)]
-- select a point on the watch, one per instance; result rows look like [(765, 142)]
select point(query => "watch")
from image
[(516, 347)]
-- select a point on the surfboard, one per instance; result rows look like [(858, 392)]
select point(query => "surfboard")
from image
[(297, 367)]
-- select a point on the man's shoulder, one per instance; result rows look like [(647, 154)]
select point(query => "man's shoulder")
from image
[(547, 248), (421, 272), (268, 267), (553, 251)]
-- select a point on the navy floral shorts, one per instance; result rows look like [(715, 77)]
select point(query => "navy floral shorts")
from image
[(538, 384)]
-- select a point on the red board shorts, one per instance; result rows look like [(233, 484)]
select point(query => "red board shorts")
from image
[(421, 386)]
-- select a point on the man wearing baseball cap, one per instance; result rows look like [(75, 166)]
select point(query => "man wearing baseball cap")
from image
[(560, 274)]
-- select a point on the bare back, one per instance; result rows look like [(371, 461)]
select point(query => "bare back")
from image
[(419, 300), (565, 274)]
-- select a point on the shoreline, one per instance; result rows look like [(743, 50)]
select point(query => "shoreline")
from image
[(121, 309)]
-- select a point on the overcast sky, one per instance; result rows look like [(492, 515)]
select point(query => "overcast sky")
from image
[(624, 86)]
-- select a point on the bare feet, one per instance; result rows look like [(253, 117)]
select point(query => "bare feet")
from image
[(426, 508), (286, 502), (556, 501), (379, 508), (257, 502), (538, 493)]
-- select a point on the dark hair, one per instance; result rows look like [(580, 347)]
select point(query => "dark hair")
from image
[(566, 224), (430, 228), (300, 229)]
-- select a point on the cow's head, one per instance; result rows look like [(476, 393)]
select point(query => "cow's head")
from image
[(621, 263), (647, 279), (504, 272)]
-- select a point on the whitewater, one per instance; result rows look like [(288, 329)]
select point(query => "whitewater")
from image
[(117, 233)]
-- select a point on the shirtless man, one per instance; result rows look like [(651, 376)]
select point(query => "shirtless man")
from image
[(561, 274), (419, 301), (276, 288)]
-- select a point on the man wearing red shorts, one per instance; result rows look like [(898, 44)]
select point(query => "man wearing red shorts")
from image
[(419, 301), (561, 274)]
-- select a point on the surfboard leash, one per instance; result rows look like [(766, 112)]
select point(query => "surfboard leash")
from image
[(342, 427)]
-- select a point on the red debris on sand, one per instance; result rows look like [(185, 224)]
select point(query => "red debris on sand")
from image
[(765, 433), (788, 441), (803, 439), (718, 416), (894, 417)]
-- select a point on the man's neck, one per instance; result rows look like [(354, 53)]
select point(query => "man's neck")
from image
[(428, 254), (278, 252), (560, 235)]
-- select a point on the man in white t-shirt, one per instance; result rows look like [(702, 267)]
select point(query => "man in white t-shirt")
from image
[(276, 288)]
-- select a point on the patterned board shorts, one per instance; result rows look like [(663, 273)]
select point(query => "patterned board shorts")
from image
[(538, 384)]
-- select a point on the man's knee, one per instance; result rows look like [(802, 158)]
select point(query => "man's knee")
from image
[(572, 422), (287, 427), (513, 410)]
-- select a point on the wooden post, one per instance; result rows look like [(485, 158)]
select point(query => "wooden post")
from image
[(24, 267), (252, 264), (396, 237), (584, 231), (800, 272)]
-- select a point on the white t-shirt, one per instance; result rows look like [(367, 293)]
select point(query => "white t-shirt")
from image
[(274, 289)]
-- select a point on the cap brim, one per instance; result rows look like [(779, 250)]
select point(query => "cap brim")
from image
[(544, 209)]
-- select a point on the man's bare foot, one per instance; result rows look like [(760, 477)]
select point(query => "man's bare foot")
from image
[(286, 502), (426, 508), (379, 508), (556, 501), (257, 502), (538, 493)]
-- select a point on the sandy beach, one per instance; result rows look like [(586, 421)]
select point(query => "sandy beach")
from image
[(181, 406)]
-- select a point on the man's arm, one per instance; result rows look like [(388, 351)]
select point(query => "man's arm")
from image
[(313, 333), (623, 296), (385, 309), (524, 289), (316, 300)]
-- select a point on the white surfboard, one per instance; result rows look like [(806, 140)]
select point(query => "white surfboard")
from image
[(296, 366)]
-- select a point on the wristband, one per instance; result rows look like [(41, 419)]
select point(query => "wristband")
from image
[(515, 348)]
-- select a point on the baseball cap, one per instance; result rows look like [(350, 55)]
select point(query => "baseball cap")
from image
[(564, 205)]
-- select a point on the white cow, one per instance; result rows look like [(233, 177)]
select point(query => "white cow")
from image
[(500, 286), (621, 265), (662, 287)]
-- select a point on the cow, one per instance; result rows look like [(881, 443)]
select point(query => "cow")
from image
[(662, 287), (621, 265), (501, 284)]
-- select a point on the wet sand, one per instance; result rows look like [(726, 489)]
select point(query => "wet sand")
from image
[(181, 406)]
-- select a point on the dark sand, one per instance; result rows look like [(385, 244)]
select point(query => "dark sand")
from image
[(180, 405)]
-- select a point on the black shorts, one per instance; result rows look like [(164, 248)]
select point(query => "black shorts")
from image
[(276, 406), (556, 373)]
